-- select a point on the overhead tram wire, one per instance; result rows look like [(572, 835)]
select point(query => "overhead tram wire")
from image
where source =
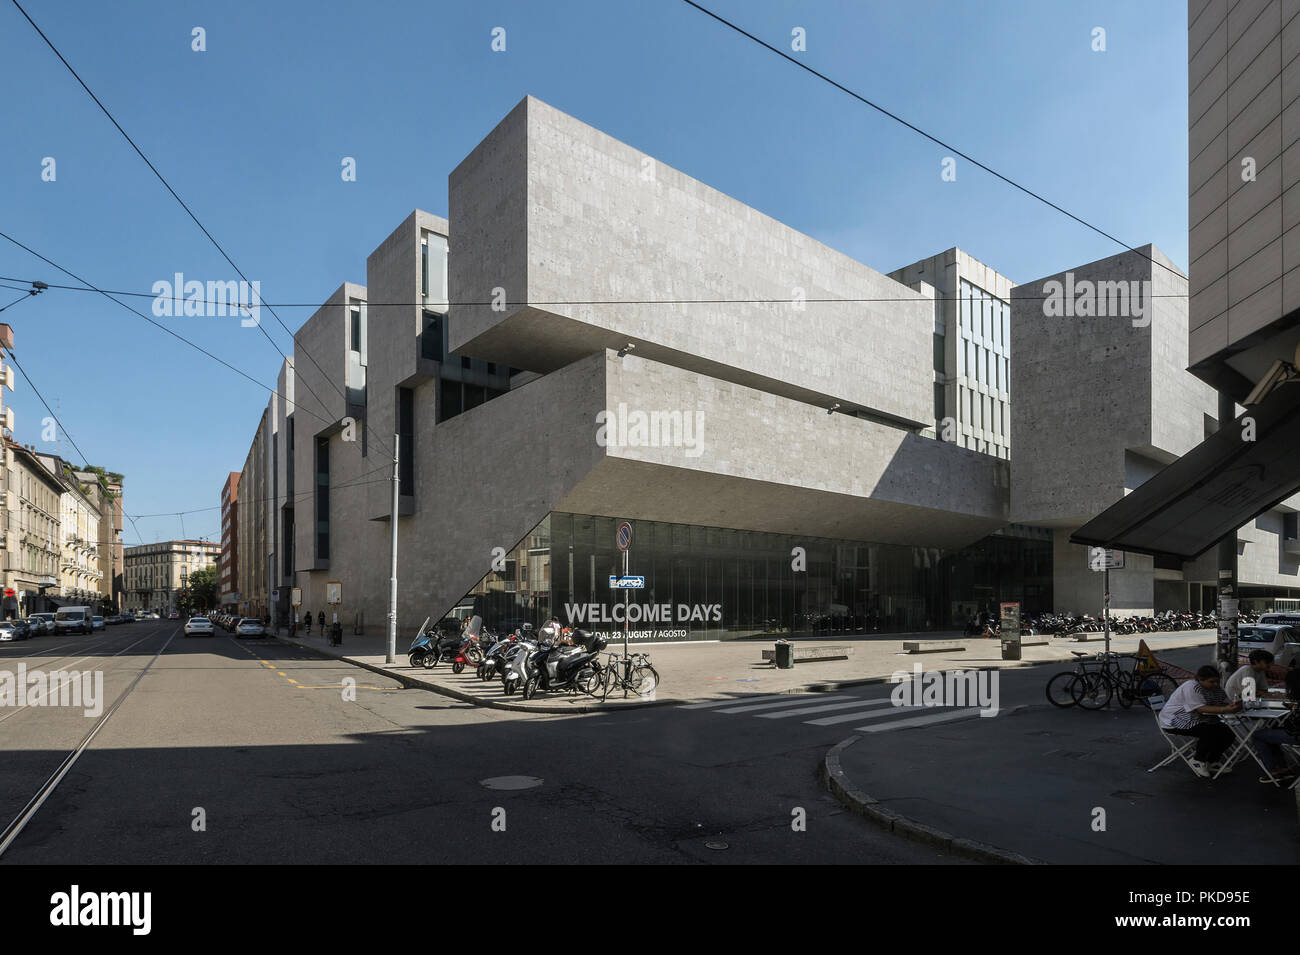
[(84, 457), (217, 245), (91, 287), (680, 301), (934, 139)]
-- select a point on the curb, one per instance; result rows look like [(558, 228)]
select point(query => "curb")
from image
[(864, 804), (414, 684)]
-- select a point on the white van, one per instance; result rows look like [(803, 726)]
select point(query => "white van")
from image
[(72, 619)]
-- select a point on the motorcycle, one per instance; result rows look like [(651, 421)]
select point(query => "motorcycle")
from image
[(421, 645), (561, 667)]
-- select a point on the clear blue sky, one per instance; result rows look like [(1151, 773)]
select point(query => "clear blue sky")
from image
[(251, 134)]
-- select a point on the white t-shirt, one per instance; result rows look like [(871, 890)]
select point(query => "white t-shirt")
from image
[(1234, 685), (1179, 709)]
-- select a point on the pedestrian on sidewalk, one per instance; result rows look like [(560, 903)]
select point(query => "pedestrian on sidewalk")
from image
[(306, 626), (321, 619), (1190, 711)]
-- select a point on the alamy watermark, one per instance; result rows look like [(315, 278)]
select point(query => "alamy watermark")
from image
[(651, 429), (1087, 299), (195, 299), (75, 688), (954, 688)]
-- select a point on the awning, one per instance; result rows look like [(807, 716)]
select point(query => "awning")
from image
[(1214, 489)]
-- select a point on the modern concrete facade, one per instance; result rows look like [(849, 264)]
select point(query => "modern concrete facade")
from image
[(1244, 204), (972, 349), (251, 598), (531, 413), (1109, 402), (228, 578)]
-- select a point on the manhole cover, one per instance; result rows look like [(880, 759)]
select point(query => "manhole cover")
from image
[(716, 845), (511, 782)]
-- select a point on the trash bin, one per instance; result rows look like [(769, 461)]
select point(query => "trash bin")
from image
[(784, 655)]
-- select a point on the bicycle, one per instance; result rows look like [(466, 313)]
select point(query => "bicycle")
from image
[(638, 675), (1093, 682)]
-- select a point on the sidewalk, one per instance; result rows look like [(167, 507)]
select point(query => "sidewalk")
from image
[(1026, 787), (692, 672)]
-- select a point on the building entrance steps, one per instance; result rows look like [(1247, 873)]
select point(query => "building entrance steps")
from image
[(693, 672)]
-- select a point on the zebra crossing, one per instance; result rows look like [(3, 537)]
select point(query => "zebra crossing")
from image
[(878, 715)]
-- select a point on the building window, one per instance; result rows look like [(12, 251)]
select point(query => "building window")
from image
[(1289, 528), (406, 441), (323, 498), (424, 268), (356, 330), (938, 353), (431, 337)]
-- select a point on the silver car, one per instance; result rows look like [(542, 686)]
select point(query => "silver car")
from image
[(250, 627), (199, 626)]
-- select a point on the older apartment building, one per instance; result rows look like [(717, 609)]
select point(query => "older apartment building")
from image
[(155, 574)]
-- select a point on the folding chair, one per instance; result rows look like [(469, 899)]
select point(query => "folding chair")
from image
[(1180, 746), (1294, 751)]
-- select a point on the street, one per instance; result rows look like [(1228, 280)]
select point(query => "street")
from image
[(258, 736)]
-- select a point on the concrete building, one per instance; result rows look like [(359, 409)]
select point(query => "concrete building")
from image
[(1244, 312), (520, 426), (33, 525), (157, 573), (775, 455), (253, 548), (972, 349), (229, 576)]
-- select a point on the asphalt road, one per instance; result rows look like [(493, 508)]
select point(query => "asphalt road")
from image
[(263, 744)]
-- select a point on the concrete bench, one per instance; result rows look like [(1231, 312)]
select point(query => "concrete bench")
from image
[(932, 646), (811, 654)]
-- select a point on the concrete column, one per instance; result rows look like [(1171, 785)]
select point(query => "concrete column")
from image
[(1227, 582)]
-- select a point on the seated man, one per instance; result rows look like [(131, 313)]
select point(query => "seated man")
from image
[(1286, 732), (1257, 670), (1191, 711)]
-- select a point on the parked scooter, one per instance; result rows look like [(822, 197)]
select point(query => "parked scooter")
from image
[(562, 667), (421, 645)]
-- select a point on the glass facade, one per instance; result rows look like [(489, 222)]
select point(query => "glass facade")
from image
[(983, 372), (712, 583)]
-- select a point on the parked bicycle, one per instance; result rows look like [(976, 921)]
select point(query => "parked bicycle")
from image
[(1093, 682), (635, 674)]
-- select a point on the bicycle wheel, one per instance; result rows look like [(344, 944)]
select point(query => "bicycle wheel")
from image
[(643, 680), (1153, 684), (1060, 689), (591, 681), (1092, 691)]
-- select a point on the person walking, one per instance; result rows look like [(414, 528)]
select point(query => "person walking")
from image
[(320, 618), (306, 624)]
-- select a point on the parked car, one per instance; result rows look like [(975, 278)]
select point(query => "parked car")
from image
[(8, 631), (96, 623), (199, 627), (37, 626), (1278, 639), (47, 621), (250, 627)]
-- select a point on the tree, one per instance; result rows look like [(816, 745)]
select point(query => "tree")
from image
[(202, 588)]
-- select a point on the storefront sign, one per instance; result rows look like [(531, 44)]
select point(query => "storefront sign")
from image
[(581, 614), (626, 583)]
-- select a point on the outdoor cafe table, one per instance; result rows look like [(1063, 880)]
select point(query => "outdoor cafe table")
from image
[(1245, 725)]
